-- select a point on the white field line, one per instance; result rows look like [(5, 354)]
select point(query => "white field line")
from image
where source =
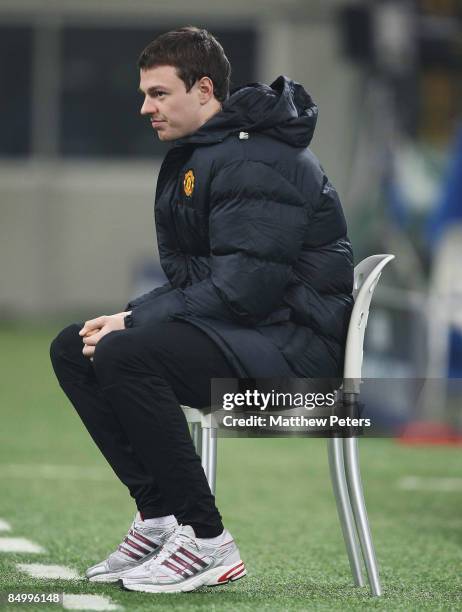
[(4, 525), (423, 483), (55, 472), (19, 545), (88, 602), (50, 572)]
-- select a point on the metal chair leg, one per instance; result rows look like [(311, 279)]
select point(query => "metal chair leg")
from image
[(209, 455), (196, 434), (350, 449), (342, 499)]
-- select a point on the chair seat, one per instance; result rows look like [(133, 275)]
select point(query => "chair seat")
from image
[(196, 415)]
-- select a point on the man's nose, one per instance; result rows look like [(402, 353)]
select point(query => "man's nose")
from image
[(149, 107)]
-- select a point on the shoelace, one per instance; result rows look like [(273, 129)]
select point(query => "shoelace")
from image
[(139, 542), (170, 547)]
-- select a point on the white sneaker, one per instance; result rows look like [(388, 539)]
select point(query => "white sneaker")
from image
[(141, 544), (186, 563)]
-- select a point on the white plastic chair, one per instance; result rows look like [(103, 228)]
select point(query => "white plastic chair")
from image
[(342, 452)]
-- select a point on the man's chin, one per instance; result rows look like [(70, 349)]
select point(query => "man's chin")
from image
[(164, 137)]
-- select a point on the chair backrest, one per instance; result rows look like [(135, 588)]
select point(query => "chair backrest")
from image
[(366, 277)]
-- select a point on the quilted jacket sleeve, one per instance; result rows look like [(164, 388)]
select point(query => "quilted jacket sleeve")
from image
[(149, 296), (257, 223)]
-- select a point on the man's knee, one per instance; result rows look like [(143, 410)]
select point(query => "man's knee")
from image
[(112, 355), (67, 343), (120, 354)]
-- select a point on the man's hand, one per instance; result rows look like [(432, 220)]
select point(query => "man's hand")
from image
[(95, 329)]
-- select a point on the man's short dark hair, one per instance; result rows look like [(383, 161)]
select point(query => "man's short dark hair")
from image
[(194, 53)]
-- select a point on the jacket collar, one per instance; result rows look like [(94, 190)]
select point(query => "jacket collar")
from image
[(283, 110)]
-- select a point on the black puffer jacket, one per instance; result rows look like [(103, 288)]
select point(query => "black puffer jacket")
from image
[(252, 238)]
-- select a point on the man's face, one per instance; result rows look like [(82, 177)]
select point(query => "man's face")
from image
[(174, 112)]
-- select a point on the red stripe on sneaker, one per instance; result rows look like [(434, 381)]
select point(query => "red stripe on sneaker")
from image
[(178, 570), (141, 538), (145, 551), (238, 574), (183, 562), (130, 553), (190, 555), (228, 575)]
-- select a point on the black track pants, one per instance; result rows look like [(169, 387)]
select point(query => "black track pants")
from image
[(129, 400)]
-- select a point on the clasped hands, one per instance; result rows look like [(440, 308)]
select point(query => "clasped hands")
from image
[(95, 329)]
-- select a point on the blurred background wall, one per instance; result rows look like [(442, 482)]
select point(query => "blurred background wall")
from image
[(79, 165)]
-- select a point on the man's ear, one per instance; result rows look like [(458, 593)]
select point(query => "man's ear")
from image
[(205, 87)]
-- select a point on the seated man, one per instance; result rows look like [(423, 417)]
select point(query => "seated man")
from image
[(252, 239)]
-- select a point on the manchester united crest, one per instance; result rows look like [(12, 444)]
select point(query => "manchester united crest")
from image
[(188, 183)]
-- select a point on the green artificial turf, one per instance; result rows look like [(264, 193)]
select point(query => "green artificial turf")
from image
[(274, 495)]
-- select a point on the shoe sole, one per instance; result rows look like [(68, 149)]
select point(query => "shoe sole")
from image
[(105, 578), (216, 576), (115, 576)]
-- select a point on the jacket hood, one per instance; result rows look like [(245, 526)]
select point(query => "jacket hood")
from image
[(282, 110)]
